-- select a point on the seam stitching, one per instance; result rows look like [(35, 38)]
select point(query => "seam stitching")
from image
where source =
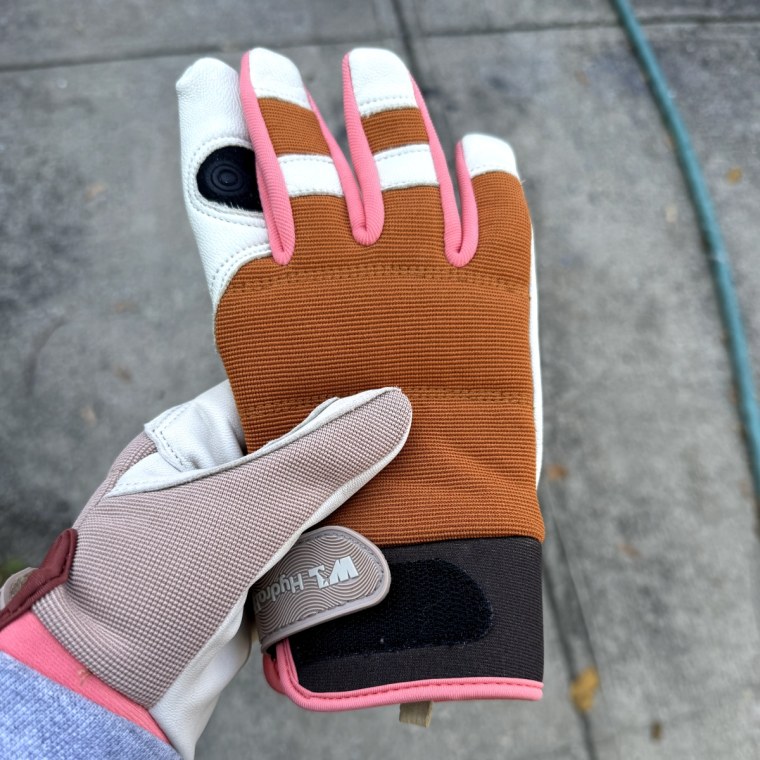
[(359, 271)]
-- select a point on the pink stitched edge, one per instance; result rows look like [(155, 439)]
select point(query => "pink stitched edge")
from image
[(28, 641), (351, 192), (365, 203), (275, 200), (373, 213), (460, 238), (469, 212), (270, 673), (434, 690)]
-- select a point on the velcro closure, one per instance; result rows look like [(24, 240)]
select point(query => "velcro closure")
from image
[(329, 572)]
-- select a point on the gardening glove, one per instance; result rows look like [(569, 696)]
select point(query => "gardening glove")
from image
[(148, 590), (324, 283)]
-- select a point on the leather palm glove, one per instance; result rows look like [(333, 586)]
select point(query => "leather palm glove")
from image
[(147, 592), (326, 280)]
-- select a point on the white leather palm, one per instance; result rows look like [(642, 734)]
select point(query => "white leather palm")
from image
[(211, 118)]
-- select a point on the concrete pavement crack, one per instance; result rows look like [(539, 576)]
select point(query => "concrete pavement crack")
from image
[(579, 655), (238, 46)]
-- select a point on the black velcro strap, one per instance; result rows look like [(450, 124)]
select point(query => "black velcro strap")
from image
[(456, 609), (431, 603)]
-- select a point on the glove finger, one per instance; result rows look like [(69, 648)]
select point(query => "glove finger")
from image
[(496, 221), (494, 207), (389, 143), (295, 152), (218, 173), (202, 440)]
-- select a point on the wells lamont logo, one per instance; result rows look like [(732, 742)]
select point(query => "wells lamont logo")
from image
[(343, 570)]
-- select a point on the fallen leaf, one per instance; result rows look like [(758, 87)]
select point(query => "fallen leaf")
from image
[(734, 175), (556, 472), (122, 373), (94, 190), (582, 77), (583, 689), (629, 550), (123, 306), (655, 731), (87, 413)]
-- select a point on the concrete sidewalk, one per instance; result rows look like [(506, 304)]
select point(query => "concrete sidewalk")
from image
[(652, 557)]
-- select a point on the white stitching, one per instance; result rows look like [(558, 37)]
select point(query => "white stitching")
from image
[(411, 182), (234, 263), (404, 150), (488, 168), (305, 158), (405, 101), (301, 190), (203, 206), (283, 92), (159, 432)]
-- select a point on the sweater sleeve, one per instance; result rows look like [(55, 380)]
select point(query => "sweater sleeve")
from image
[(40, 718)]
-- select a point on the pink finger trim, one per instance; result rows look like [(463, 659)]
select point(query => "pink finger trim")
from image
[(433, 690), (275, 201), (469, 213), (270, 673), (347, 180), (29, 642), (367, 224), (458, 249)]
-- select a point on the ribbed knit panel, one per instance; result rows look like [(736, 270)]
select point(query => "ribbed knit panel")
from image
[(391, 129), (341, 318), (294, 129)]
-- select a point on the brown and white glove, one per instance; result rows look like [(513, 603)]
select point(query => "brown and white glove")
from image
[(328, 277), (148, 589)]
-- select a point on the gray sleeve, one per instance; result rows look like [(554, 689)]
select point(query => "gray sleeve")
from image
[(40, 718)]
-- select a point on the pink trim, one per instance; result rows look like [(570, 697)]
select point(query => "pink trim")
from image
[(434, 690), (459, 248), (347, 180), (29, 642), (271, 674), (469, 212), (366, 223), (275, 200)]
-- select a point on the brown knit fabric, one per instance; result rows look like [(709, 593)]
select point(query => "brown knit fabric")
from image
[(293, 129), (341, 317), (391, 129)]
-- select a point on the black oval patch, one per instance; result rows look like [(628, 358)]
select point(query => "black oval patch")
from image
[(228, 176)]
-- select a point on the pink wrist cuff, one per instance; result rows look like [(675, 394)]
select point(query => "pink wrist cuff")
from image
[(282, 676), (29, 642)]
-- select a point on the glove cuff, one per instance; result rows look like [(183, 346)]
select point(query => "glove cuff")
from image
[(30, 643), (282, 676), (27, 588), (462, 620)]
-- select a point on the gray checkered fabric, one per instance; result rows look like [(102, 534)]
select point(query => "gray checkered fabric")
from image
[(156, 573)]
